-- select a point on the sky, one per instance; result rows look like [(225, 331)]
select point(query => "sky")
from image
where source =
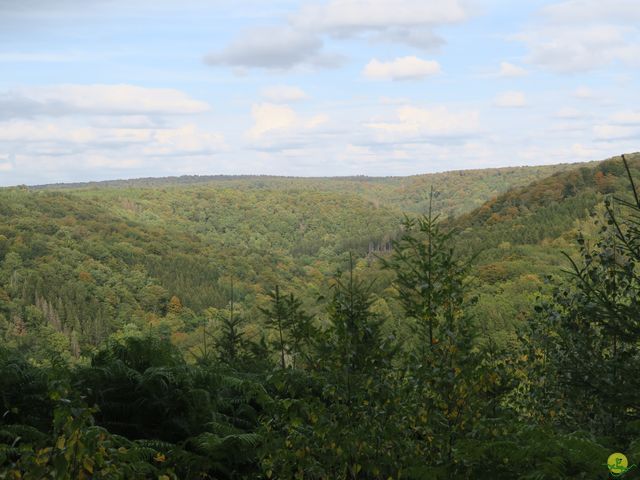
[(107, 89)]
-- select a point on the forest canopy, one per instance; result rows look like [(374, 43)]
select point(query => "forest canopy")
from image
[(478, 324)]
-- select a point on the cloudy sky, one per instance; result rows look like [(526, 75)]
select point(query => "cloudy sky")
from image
[(103, 89)]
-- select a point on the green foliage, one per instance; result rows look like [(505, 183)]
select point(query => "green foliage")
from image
[(448, 380), (276, 318), (293, 327), (153, 415), (21, 389), (130, 353), (93, 258), (231, 342), (428, 278), (336, 419), (533, 453), (77, 449), (586, 337)]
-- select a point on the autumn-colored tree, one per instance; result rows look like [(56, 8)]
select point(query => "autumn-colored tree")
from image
[(175, 305)]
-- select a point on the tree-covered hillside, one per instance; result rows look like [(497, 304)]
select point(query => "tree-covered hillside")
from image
[(520, 236), (458, 191), (86, 261), (461, 351)]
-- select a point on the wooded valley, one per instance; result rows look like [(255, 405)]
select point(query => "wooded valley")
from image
[(478, 324)]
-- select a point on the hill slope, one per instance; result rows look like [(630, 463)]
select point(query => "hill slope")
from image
[(89, 259), (520, 236), (457, 191)]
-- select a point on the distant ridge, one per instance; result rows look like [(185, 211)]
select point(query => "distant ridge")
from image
[(204, 179)]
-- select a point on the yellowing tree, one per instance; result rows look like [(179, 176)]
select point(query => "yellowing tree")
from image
[(175, 305)]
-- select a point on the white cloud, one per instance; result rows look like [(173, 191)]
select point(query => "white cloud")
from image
[(580, 48), (569, 112), (284, 94), (510, 70), (413, 122), (126, 121), (97, 160), (394, 100), (350, 15), (582, 35), (300, 40), (65, 129), (358, 154), (620, 125), (6, 166), (69, 137), (40, 57), (316, 121), (628, 118), (280, 119), (615, 132), (185, 140), (411, 22), (403, 68), (421, 38), (568, 127), (580, 11), (511, 100), (275, 48), (584, 152), (583, 92), (268, 117), (43, 131), (97, 99)]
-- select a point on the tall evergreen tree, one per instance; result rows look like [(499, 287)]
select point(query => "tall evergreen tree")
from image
[(445, 368), (276, 318), (293, 327), (301, 329), (231, 340), (428, 276)]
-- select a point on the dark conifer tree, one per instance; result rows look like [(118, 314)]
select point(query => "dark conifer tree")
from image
[(276, 318), (231, 341)]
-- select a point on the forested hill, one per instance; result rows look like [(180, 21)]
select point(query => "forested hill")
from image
[(83, 262), (239, 330), (520, 236), (457, 191), (545, 209)]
